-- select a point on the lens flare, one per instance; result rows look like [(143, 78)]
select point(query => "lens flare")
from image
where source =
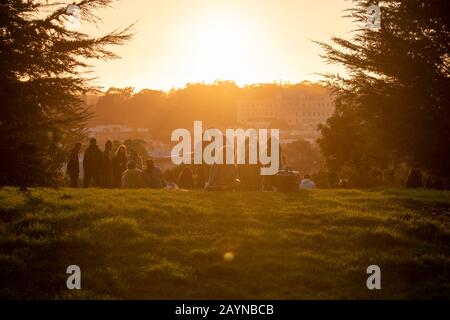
[(228, 256)]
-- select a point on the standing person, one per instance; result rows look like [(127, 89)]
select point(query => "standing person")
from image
[(152, 175), (134, 156), (202, 170), (73, 166), (414, 179), (132, 177), (119, 165), (107, 171), (92, 163)]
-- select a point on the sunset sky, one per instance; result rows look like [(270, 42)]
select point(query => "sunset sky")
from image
[(249, 41)]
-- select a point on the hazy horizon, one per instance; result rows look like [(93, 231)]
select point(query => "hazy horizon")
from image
[(178, 42), (287, 84)]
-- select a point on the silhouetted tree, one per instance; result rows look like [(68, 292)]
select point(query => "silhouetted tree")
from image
[(395, 102), (43, 74), (302, 156)]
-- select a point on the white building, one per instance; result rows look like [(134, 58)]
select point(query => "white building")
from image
[(298, 108), (117, 132)]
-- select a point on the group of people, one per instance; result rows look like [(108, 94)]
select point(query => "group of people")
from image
[(123, 169), (242, 176)]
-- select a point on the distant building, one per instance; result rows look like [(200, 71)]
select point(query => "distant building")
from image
[(160, 153), (117, 132), (300, 109)]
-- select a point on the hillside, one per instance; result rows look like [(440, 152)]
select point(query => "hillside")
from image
[(158, 244)]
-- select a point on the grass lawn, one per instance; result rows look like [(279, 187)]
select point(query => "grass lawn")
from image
[(159, 244)]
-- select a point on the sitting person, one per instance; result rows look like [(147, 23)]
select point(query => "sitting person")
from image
[(307, 183), (250, 174), (222, 176), (132, 177), (186, 178), (152, 176), (134, 156), (171, 186), (343, 183)]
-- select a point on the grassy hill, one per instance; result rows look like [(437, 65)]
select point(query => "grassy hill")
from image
[(158, 244)]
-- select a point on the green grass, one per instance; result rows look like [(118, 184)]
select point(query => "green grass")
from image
[(158, 244)]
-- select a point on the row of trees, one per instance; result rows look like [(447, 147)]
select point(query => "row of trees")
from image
[(214, 104), (394, 105)]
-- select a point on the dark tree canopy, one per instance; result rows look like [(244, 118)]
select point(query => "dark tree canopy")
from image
[(44, 73), (394, 105)]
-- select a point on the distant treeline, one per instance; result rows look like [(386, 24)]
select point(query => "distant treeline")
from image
[(214, 104)]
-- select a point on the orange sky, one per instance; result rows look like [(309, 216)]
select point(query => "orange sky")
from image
[(249, 41)]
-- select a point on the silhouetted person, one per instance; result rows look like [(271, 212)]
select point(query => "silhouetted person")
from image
[(202, 173), (269, 182), (435, 182), (414, 179), (132, 177), (249, 174), (202, 170), (307, 183), (134, 156), (343, 183), (186, 178), (73, 166), (92, 163), (107, 171), (438, 183), (119, 165), (152, 176), (222, 176)]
